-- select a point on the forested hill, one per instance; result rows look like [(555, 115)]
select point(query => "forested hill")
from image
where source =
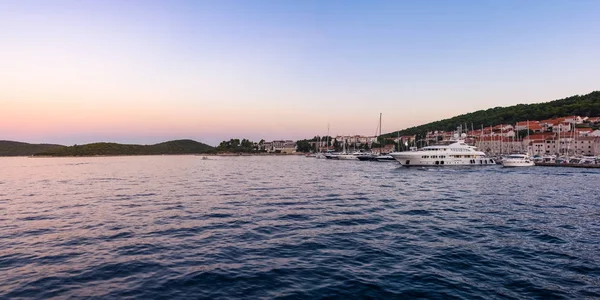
[(11, 148), (584, 106), (101, 149)]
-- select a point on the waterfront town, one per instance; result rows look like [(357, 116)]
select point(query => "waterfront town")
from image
[(570, 135)]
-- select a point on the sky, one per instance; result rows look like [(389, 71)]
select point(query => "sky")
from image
[(74, 72)]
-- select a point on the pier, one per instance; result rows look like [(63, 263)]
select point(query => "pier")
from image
[(551, 164)]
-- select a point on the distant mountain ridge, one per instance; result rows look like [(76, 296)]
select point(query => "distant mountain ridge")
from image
[(584, 106), (12, 148), (185, 146)]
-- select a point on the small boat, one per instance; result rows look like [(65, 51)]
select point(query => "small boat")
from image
[(204, 158), (347, 156), (367, 157), (332, 155), (517, 160), (320, 155), (385, 158)]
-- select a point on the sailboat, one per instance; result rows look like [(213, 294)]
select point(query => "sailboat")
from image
[(320, 154), (383, 156), (345, 155)]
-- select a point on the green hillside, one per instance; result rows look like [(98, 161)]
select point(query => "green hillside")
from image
[(585, 106), (96, 149), (11, 148)]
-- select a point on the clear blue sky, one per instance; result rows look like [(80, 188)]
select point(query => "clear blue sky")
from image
[(148, 71)]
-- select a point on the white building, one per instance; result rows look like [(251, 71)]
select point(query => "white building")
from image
[(588, 146), (282, 146), (573, 120), (498, 146), (561, 127)]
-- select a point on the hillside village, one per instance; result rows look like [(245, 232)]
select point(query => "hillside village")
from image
[(570, 135)]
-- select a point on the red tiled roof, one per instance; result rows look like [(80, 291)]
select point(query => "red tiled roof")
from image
[(542, 136), (594, 119), (524, 123)]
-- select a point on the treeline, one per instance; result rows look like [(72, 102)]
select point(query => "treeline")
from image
[(311, 145), (106, 149), (584, 106), (240, 146)]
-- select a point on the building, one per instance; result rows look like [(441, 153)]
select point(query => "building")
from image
[(583, 131), (561, 127), (588, 146), (594, 120), (573, 119), (531, 125), (500, 145), (280, 146)]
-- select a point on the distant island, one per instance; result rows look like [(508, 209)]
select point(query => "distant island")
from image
[(10, 148)]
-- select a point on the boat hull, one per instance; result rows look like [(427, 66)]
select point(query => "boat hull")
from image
[(513, 164), (408, 160), (366, 157)]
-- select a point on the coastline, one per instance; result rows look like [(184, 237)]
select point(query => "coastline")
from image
[(183, 154)]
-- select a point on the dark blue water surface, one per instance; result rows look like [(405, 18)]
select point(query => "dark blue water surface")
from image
[(294, 227)]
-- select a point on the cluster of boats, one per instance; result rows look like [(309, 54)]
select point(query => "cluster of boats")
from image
[(458, 153), (358, 155), (582, 160), (447, 153)]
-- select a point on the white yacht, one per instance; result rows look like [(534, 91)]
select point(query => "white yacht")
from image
[(384, 157), (447, 153), (320, 155), (347, 156), (517, 160)]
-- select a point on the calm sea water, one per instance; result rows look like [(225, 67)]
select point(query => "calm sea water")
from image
[(294, 227)]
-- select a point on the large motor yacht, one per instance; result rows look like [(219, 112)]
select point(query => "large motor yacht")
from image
[(447, 153)]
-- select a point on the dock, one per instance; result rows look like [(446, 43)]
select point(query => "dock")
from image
[(549, 164)]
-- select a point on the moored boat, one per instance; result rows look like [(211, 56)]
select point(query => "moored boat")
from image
[(447, 153), (385, 157), (517, 160)]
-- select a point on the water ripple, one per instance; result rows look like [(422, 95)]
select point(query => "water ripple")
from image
[(292, 227)]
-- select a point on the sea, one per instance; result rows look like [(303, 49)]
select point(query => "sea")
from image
[(291, 227)]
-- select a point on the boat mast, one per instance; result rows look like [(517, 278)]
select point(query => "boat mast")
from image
[(528, 139), (559, 141), (501, 138), (380, 142), (327, 137)]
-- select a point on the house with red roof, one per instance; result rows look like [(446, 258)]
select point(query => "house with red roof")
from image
[(594, 120), (526, 125), (562, 127), (573, 119), (583, 131)]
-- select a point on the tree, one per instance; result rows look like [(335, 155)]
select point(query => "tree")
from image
[(336, 145), (303, 146)]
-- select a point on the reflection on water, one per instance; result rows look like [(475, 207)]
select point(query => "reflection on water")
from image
[(180, 226)]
